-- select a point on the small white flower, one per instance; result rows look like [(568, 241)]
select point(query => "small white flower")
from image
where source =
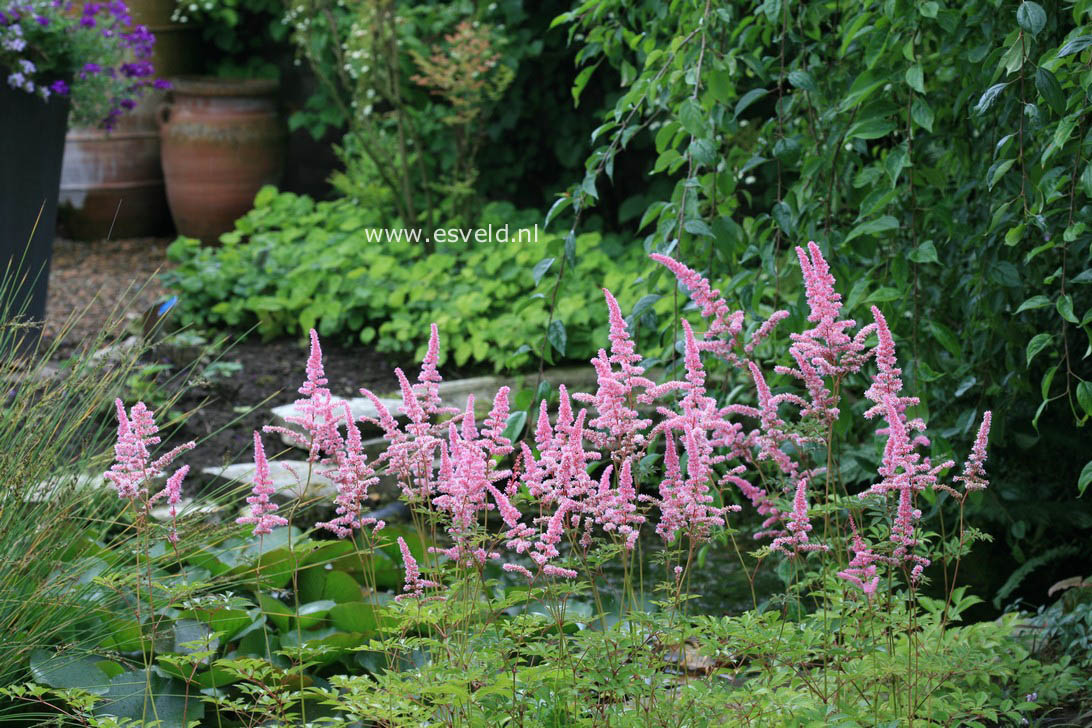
[(750, 180)]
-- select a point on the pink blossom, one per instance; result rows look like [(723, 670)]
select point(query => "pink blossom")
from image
[(173, 492), (974, 474), (318, 415), (132, 472), (617, 427), (496, 423), (616, 509), (798, 526), (862, 568), (415, 585), (261, 507), (352, 476), (725, 325)]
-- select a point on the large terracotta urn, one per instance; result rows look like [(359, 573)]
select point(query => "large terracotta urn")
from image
[(221, 139)]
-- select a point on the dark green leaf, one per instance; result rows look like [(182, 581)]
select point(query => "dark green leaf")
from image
[(1085, 477), (1033, 303), (1037, 344), (1084, 396), (557, 337), (1065, 308), (873, 227), (924, 253), (987, 98), (1050, 90), (747, 99), (1031, 17), (540, 269), (1075, 45), (803, 80)]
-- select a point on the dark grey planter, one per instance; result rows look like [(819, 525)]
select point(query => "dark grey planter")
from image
[(31, 148)]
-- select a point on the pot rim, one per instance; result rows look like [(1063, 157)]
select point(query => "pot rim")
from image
[(222, 86)]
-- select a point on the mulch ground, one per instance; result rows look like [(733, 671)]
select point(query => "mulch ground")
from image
[(107, 280)]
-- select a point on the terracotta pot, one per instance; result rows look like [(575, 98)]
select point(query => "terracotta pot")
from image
[(221, 141), (112, 184)]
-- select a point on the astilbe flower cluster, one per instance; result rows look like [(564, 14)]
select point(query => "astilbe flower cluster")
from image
[(449, 465), (262, 508), (134, 470)]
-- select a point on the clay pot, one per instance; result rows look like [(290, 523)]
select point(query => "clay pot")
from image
[(221, 141), (112, 184)]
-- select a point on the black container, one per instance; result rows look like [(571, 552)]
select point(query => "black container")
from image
[(31, 148)]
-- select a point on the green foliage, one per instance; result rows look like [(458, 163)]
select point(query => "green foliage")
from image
[(938, 150), (292, 264)]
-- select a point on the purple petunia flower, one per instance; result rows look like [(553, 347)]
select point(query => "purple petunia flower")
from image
[(59, 87)]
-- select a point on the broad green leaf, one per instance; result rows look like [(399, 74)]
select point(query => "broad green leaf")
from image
[(557, 336), (1065, 308), (1085, 478), (947, 338), (1050, 90), (1037, 344), (540, 269), (1033, 303), (802, 80), (1084, 396), (1076, 45), (747, 99), (987, 98), (69, 670), (915, 78), (1031, 17), (922, 113), (997, 171), (870, 129), (924, 253), (873, 227)]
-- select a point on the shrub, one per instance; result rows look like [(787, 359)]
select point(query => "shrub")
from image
[(292, 264)]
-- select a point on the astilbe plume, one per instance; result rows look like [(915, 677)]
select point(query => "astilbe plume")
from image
[(974, 472), (319, 415), (827, 349), (861, 570), (725, 325), (352, 476), (414, 586), (262, 509), (173, 493), (618, 427), (134, 469), (796, 539)]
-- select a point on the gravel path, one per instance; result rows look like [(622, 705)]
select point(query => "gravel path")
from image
[(104, 279)]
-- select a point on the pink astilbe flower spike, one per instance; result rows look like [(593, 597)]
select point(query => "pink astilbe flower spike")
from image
[(862, 568), (262, 509), (825, 350), (428, 381), (618, 427), (414, 586), (725, 325), (616, 509), (133, 469), (974, 474), (798, 526), (352, 476), (495, 424), (173, 493), (318, 413), (888, 382)]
